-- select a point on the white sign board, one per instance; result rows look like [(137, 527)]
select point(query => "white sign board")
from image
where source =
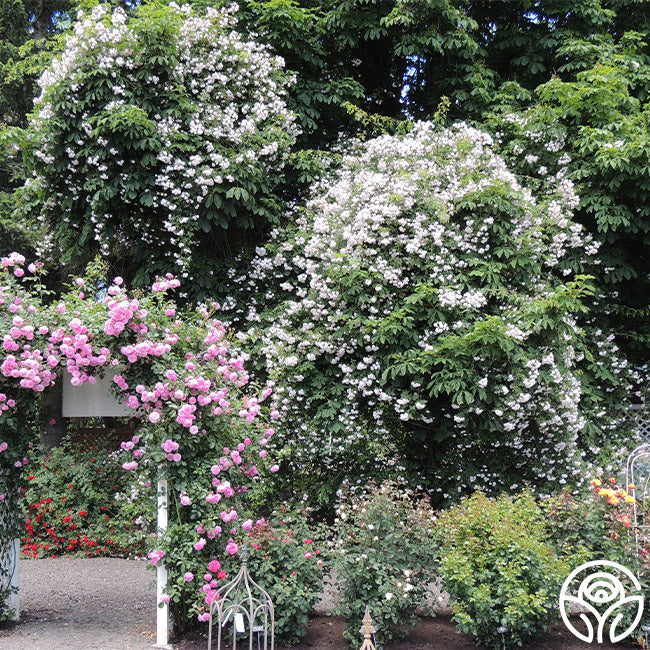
[(92, 400)]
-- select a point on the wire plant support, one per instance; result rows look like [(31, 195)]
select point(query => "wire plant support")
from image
[(249, 610), (637, 479)]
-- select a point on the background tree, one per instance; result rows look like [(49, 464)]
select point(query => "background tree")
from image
[(596, 123)]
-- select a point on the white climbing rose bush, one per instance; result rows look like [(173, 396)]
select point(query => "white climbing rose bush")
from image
[(154, 133), (425, 310)]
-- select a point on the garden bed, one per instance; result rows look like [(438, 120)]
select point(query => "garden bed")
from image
[(326, 633)]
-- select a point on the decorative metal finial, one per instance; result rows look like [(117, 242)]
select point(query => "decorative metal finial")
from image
[(368, 630)]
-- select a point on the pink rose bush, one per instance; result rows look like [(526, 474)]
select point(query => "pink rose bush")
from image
[(203, 425)]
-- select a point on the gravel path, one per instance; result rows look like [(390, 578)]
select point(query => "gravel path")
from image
[(84, 604), (104, 604)]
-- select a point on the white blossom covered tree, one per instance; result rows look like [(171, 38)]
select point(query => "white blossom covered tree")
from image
[(426, 309), (153, 136)]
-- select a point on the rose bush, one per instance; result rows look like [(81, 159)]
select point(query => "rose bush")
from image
[(385, 557), (157, 137), (204, 429)]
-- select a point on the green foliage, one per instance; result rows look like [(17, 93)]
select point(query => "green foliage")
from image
[(384, 556), (499, 569), (79, 501), (590, 123)]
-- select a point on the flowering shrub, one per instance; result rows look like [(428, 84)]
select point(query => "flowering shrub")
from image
[(74, 505), (199, 430), (499, 569), (152, 135), (425, 308), (385, 557), (284, 556), (598, 523)]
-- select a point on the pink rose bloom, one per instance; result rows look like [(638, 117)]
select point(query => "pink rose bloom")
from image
[(189, 576), (169, 446), (214, 566), (247, 525), (204, 617), (232, 548), (185, 500), (211, 597), (155, 557), (275, 468), (200, 544), (165, 598)]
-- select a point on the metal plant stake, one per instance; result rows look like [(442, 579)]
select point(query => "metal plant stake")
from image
[(247, 607)]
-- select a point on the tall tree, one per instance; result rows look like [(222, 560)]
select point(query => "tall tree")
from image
[(156, 142)]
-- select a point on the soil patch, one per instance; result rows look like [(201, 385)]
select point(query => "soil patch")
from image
[(439, 633)]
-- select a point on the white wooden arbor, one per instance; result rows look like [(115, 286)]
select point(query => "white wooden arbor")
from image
[(96, 400)]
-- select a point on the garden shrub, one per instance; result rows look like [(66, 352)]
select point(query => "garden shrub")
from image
[(384, 556), (425, 308), (78, 502), (286, 558), (499, 569), (598, 520)]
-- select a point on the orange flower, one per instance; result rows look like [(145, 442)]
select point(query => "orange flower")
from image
[(630, 499), (612, 481), (613, 500), (596, 482), (631, 486)]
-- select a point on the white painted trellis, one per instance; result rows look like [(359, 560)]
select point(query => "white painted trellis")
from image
[(637, 478)]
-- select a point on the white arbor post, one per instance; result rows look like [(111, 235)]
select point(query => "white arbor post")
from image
[(14, 574), (11, 525), (162, 611)]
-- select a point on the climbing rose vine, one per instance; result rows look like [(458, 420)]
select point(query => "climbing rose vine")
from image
[(203, 426), (152, 135), (426, 310)]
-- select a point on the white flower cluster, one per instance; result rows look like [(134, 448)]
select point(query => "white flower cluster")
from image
[(416, 292), (143, 132)]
